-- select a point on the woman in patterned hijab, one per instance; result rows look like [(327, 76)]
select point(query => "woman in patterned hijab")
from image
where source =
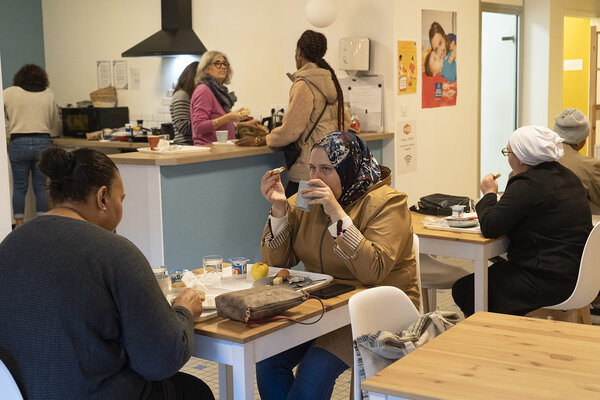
[(357, 168)]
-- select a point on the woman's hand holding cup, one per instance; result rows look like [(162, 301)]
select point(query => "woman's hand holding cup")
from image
[(320, 193)]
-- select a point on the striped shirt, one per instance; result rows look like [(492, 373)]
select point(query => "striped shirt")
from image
[(180, 115)]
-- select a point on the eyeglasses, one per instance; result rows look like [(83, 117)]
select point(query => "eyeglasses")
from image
[(219, 64), (505, 152)]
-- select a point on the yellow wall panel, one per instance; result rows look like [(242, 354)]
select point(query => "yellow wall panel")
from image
[(576, 46)]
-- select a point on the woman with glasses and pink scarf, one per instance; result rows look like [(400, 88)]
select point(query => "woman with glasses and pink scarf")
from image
[(212, 102)]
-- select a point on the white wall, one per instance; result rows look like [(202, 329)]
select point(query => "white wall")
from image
[(5, 209), (536, 50), (447, 137), (259, 37)]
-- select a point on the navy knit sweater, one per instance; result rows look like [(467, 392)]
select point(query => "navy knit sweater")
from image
[(82, 316)]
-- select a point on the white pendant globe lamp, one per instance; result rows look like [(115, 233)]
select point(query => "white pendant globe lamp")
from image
[(320, 13)]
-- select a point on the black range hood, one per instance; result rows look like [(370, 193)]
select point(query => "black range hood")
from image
[(176, 36)]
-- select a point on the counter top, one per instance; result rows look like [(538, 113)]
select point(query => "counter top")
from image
[(78, 143), (215, 153)]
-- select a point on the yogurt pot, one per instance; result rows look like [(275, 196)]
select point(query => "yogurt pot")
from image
[(458, 211), (239, 267)]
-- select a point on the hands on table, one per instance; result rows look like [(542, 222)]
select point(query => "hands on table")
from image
[(191, 300)]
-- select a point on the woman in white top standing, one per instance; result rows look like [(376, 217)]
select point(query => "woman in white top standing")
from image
[(32, 117)]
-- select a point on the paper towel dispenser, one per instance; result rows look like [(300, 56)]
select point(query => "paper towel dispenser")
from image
[(354, 54)]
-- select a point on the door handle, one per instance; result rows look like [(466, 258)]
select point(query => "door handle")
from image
[(511, 38)]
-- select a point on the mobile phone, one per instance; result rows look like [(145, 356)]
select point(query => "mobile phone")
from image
[(333, 290)]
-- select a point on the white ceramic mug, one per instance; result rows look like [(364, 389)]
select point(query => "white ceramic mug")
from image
[(222, 136)]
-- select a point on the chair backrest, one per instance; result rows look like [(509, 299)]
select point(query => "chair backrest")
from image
[(418, 260), (384, 308), (588, 280), (8, 387)]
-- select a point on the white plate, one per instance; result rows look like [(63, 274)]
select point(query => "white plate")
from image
[(176, 149), (229, 143), (461, 222)]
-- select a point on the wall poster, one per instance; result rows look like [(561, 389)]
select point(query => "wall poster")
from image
[(407, 69), (407, 156), (439, 88)]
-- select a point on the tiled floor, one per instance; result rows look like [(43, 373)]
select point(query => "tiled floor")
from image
[(208, 371)]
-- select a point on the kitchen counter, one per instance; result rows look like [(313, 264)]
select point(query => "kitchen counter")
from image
[(218, 152), (64, 141), (179, 208)]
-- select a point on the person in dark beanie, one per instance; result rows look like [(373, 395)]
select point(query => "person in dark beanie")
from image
[(574, 127)]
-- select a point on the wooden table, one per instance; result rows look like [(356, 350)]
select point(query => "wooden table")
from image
[(234, 344), (497, 356), (461, 245)]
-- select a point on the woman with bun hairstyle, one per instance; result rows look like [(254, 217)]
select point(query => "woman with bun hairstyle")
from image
[(316, 100), (212, 102), (180, 105), (358, 230), (32, 117), (83, 316)]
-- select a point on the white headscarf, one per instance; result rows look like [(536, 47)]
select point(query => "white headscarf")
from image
[(534, 145)]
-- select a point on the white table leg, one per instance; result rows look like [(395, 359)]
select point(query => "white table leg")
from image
[(243, 371), (225, 382), (481, 279)]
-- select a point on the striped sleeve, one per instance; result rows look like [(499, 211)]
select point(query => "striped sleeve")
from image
[(276, 236), (182, 124), (347, 243)]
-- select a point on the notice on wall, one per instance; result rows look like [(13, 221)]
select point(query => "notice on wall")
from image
[(407, 150), (120, 74), (573, 65), (407, 70), (136, 80), (103, 74)]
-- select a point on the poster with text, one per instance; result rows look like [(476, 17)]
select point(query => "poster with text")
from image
[(439, 87), (407, 152), (407, 68)]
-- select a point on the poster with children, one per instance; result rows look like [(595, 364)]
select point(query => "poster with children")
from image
[(438, 55), (407, 68)]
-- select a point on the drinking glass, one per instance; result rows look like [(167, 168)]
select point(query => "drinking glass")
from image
[(212, 269)]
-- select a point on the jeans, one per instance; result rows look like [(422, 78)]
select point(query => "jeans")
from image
[(315, 376), (23, 152)]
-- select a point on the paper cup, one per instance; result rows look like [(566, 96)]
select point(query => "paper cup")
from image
[(302, 202), (222, 136)]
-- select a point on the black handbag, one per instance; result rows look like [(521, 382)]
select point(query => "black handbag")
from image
[(439, 204), (292, 151)]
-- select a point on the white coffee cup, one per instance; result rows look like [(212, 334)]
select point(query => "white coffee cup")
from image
[(222, 136), (302, 202)]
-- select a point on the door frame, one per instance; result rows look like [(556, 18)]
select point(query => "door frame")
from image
[(502, 9)]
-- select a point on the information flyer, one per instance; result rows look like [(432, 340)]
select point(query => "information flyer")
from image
[(407, 69), (407, 154)]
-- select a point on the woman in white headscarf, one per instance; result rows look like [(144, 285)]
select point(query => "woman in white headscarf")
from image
[(545, 214)]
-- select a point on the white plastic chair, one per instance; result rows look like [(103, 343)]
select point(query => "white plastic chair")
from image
[(384, 308), (436, 275), (576, 307), (8, 387)]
